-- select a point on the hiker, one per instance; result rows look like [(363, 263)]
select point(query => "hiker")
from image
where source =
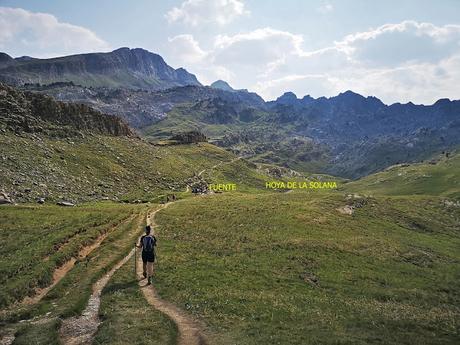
[(148, 243)]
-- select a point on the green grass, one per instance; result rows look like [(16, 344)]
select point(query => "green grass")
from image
[(442, 178), (127, 317), (290, 269), (46, 334), (38, 239), (97, 167), (69, 297)]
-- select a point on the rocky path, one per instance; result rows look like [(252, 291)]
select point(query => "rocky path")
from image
[(7, 337), (80, 330), (189, 331)]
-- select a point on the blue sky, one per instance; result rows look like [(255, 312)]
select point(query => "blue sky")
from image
[(396, 50)]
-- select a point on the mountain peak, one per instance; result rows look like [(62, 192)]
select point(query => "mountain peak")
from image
[(287, 95), (221, 85), (353, 99), (5, 59), (442, 101), (349, 94)]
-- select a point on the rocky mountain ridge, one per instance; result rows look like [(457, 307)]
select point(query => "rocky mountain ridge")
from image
[(127, 68), (35, 113)]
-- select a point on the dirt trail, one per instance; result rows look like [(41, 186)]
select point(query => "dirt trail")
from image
[(7, 337), (80, 330), (60, 273), (189, 331)]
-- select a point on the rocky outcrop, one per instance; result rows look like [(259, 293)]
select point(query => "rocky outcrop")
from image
[(37, 113), (189, 137), (141, 108)]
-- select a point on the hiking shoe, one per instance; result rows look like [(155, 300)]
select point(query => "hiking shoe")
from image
[(149, 282), (144, 274)]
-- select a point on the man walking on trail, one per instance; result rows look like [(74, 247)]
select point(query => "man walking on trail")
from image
[(148, 243)]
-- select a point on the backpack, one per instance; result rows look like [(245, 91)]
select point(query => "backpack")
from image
[(148, 242)]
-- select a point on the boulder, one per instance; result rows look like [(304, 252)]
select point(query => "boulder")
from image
[(4, 201), (65, 203)]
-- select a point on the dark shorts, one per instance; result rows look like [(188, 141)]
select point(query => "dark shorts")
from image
[(148, 257)]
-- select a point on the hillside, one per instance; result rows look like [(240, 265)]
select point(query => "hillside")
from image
[(124, 67), (142, 108), (252, 266), (53, 151), (439, 176), (292, 269)]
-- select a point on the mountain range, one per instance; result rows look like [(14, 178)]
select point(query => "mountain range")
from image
[(347, 135)]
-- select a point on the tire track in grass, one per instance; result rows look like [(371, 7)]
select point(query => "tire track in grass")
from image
[(80, 330), (189, 331), (61, 271)]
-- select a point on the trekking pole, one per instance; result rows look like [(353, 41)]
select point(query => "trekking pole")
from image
[(135, 263)]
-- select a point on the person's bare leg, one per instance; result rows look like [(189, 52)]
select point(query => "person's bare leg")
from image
[(149, 272), (144, 269)]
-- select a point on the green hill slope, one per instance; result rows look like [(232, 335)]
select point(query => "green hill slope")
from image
[(99, 167), (439, 176)]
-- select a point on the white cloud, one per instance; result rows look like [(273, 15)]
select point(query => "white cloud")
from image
[(186, 49), (42, 35), (264, 60), (325, 7), (403, 43), (407, 61), (259, 49), (196, 12)]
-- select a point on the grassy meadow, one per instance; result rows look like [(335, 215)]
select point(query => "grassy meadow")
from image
[(291, 269), (40, 229), (38, 239), (256, 266)]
